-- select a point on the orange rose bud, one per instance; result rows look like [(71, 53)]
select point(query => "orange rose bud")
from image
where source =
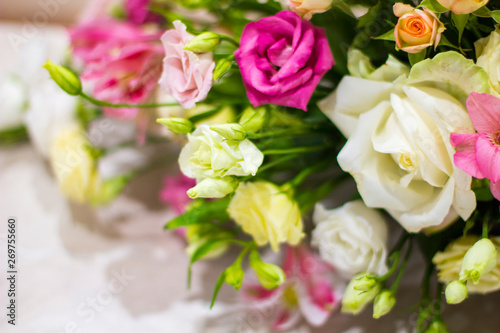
[(416, 29)]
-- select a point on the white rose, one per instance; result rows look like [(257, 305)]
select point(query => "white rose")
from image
[(209, 155), (398, 147), (352, 238), (488, 57), (14, 100)]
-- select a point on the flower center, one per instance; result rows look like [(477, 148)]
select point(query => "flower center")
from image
[(408, 161), (290, 297), (495, 138)]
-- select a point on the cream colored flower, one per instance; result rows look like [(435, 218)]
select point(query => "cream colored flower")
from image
[(449, 265), (352, 238), (267, 213), (73, 165), (462, 6), (209, 155), (488, 57), (306, 8)]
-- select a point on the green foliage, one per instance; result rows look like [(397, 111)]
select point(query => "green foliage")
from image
[(202, 211)]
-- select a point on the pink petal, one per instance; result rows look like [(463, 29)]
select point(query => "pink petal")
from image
[(488, 157), (484, 111), (465, 155), (495, 190), (286, 319)]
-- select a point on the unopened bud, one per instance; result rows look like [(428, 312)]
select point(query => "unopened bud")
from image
[(204, 42), (177, 125), (354, 301), (479, 260), (270, 276), (230, 131), (221, 68), (437, 326), (213, 188), (253, 119), (65, 79), (456, 292), (234, 275), (383, 304), (365, 282)]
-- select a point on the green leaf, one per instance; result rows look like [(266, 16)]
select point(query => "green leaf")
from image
[(220, 282), (445, 42), (389, 35), (433, 6), (13, 136), (459, 21), (416, 57), (482, 12), (207, 212), (370, 16), (495, 15)]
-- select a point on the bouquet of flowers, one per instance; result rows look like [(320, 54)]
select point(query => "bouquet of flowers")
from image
[(275, 104)]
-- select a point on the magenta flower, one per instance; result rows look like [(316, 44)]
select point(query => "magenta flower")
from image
[(307, 291), (478, 154), (174, 192), (282, 58), (138, 12), (121, 61)]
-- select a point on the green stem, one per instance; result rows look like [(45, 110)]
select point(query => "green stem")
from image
[(395, 256), (123, 105), (302, 175), (402, 268), (295, 150), (229, 39)]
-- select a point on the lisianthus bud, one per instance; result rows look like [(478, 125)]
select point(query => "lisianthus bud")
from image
[(270, 276), (213, 188), (234, 275), (253, 119), (221, 68), (437, 326), (479, 260), (462, 6), (383, 304), (354, 300), (456, 292), (203, 43), (416, 29), (109, 189), (65, 79), (177, 125), (365, 282), (230, 131)]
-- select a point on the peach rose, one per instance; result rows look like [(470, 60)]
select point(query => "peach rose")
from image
[(462, 6), (416, 29), (306, 8)]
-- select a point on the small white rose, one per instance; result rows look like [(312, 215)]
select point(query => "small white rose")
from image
[(352, 238)]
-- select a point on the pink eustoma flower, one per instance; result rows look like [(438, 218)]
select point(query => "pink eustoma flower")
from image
[(121, 61), (138, 12), (174, 192), (478, 154), (282, 58), (307, 291)]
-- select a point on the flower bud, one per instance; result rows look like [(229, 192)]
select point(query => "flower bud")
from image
[(462, 6), (437, 326), (213, 188), (383, 304), (365, 282), (479, 260), (253, 119), (65, 79), (230, 131), (221, 68), (456, 292), (270, 276), (203, 43), (109, 189), (234, 275), (177, 125), (354, 301)]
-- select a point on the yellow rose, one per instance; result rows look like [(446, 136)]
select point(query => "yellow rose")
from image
[(267, 213), (73, 165), (416, 29), (462, 6), (449, 264), (306, 8)]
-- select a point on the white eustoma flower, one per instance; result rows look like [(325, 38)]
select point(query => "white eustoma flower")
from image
[(352, 238), (209, 155), (398, 147), (13, 97)]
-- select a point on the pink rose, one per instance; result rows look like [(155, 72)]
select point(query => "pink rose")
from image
[(187, 76), (121, 61), (282, 58)]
